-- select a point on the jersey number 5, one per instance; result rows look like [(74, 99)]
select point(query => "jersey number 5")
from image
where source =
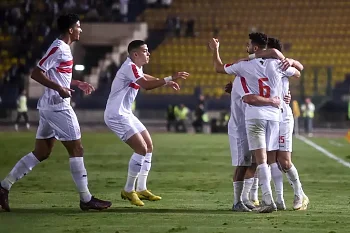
[(264, 90)]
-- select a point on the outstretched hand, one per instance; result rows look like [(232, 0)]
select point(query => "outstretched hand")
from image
[(173, 85), (286, 63), (180, 75), (228, 87), (65, 92), (87, 88), (214, 44)]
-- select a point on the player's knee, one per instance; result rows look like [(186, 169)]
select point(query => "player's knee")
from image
[(149, 148), (141, 149), (285, 164), (41, 154), (77, 151), (239, 173)]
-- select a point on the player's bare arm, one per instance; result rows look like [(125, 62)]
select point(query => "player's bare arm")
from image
[(168, 81), (87, 88), (150, 77), (287, 98), (294, 63), (268, 53), (39, 76), (257, 100), (218, 65), (297, 73)]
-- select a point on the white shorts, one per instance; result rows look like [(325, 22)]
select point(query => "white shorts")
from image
[(286, 134), (63, 125), (262, 134), (240, 154), (125, 127)]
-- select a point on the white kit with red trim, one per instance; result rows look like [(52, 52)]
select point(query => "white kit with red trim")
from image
[(57, 64), (124, 90), (261, 77)]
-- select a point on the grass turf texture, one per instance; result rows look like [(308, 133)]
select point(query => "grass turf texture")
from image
[(191, 172)]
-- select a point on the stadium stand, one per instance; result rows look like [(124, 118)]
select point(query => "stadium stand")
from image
[(304, 26)]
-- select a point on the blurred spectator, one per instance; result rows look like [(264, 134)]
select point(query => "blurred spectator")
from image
[(199, 119), (170, 117), (124, 9), (151, 3), (308, 110), (181, 115), (203, 101), (177, 26), (190, 28), (173, 26), (22, 110), (166, 3)]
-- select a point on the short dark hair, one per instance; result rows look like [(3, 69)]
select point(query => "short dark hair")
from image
[(274, 43), (259, 39), (66, 21), (135, 44)]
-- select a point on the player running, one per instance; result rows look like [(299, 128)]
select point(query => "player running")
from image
[(120, 119), (57, 118)]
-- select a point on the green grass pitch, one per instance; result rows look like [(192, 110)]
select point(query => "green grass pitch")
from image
[(191, 172)]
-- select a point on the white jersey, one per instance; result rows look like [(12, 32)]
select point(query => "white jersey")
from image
[(124, 90), (262, 77), (287, 112), (57, 63), (236, 123)]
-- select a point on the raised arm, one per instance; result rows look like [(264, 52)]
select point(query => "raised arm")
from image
[(218, 65)]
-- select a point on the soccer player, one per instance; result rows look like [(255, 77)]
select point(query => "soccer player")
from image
[(241, 156), (120, 119), (261, 77), (250, 187), (284, 158), (57, 118)]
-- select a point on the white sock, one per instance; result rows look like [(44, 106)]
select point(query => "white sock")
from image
[(135, 165), (293, 177), (246, 188), (237, 191), (264, 182), (277, 177), (22, 168), (146, 167), (79, 174), (254, 191)]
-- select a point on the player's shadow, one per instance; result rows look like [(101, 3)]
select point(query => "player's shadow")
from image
[(76, 211), (170, 211)]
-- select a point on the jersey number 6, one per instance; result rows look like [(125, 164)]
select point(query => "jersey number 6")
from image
[(264, 90)]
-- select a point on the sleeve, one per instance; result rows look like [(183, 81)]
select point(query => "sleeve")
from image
[(289, 72), (240, 87), (312, 107), (232, 68), (134, 73), (50, 59)]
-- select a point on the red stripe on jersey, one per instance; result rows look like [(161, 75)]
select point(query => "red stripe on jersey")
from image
[(244, 85), (64, 70), (227, 65), (66, 63), (134, 70), (134, 85), (53, 50)]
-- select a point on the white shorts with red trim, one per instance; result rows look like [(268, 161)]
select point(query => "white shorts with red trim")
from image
[(124, 126)]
